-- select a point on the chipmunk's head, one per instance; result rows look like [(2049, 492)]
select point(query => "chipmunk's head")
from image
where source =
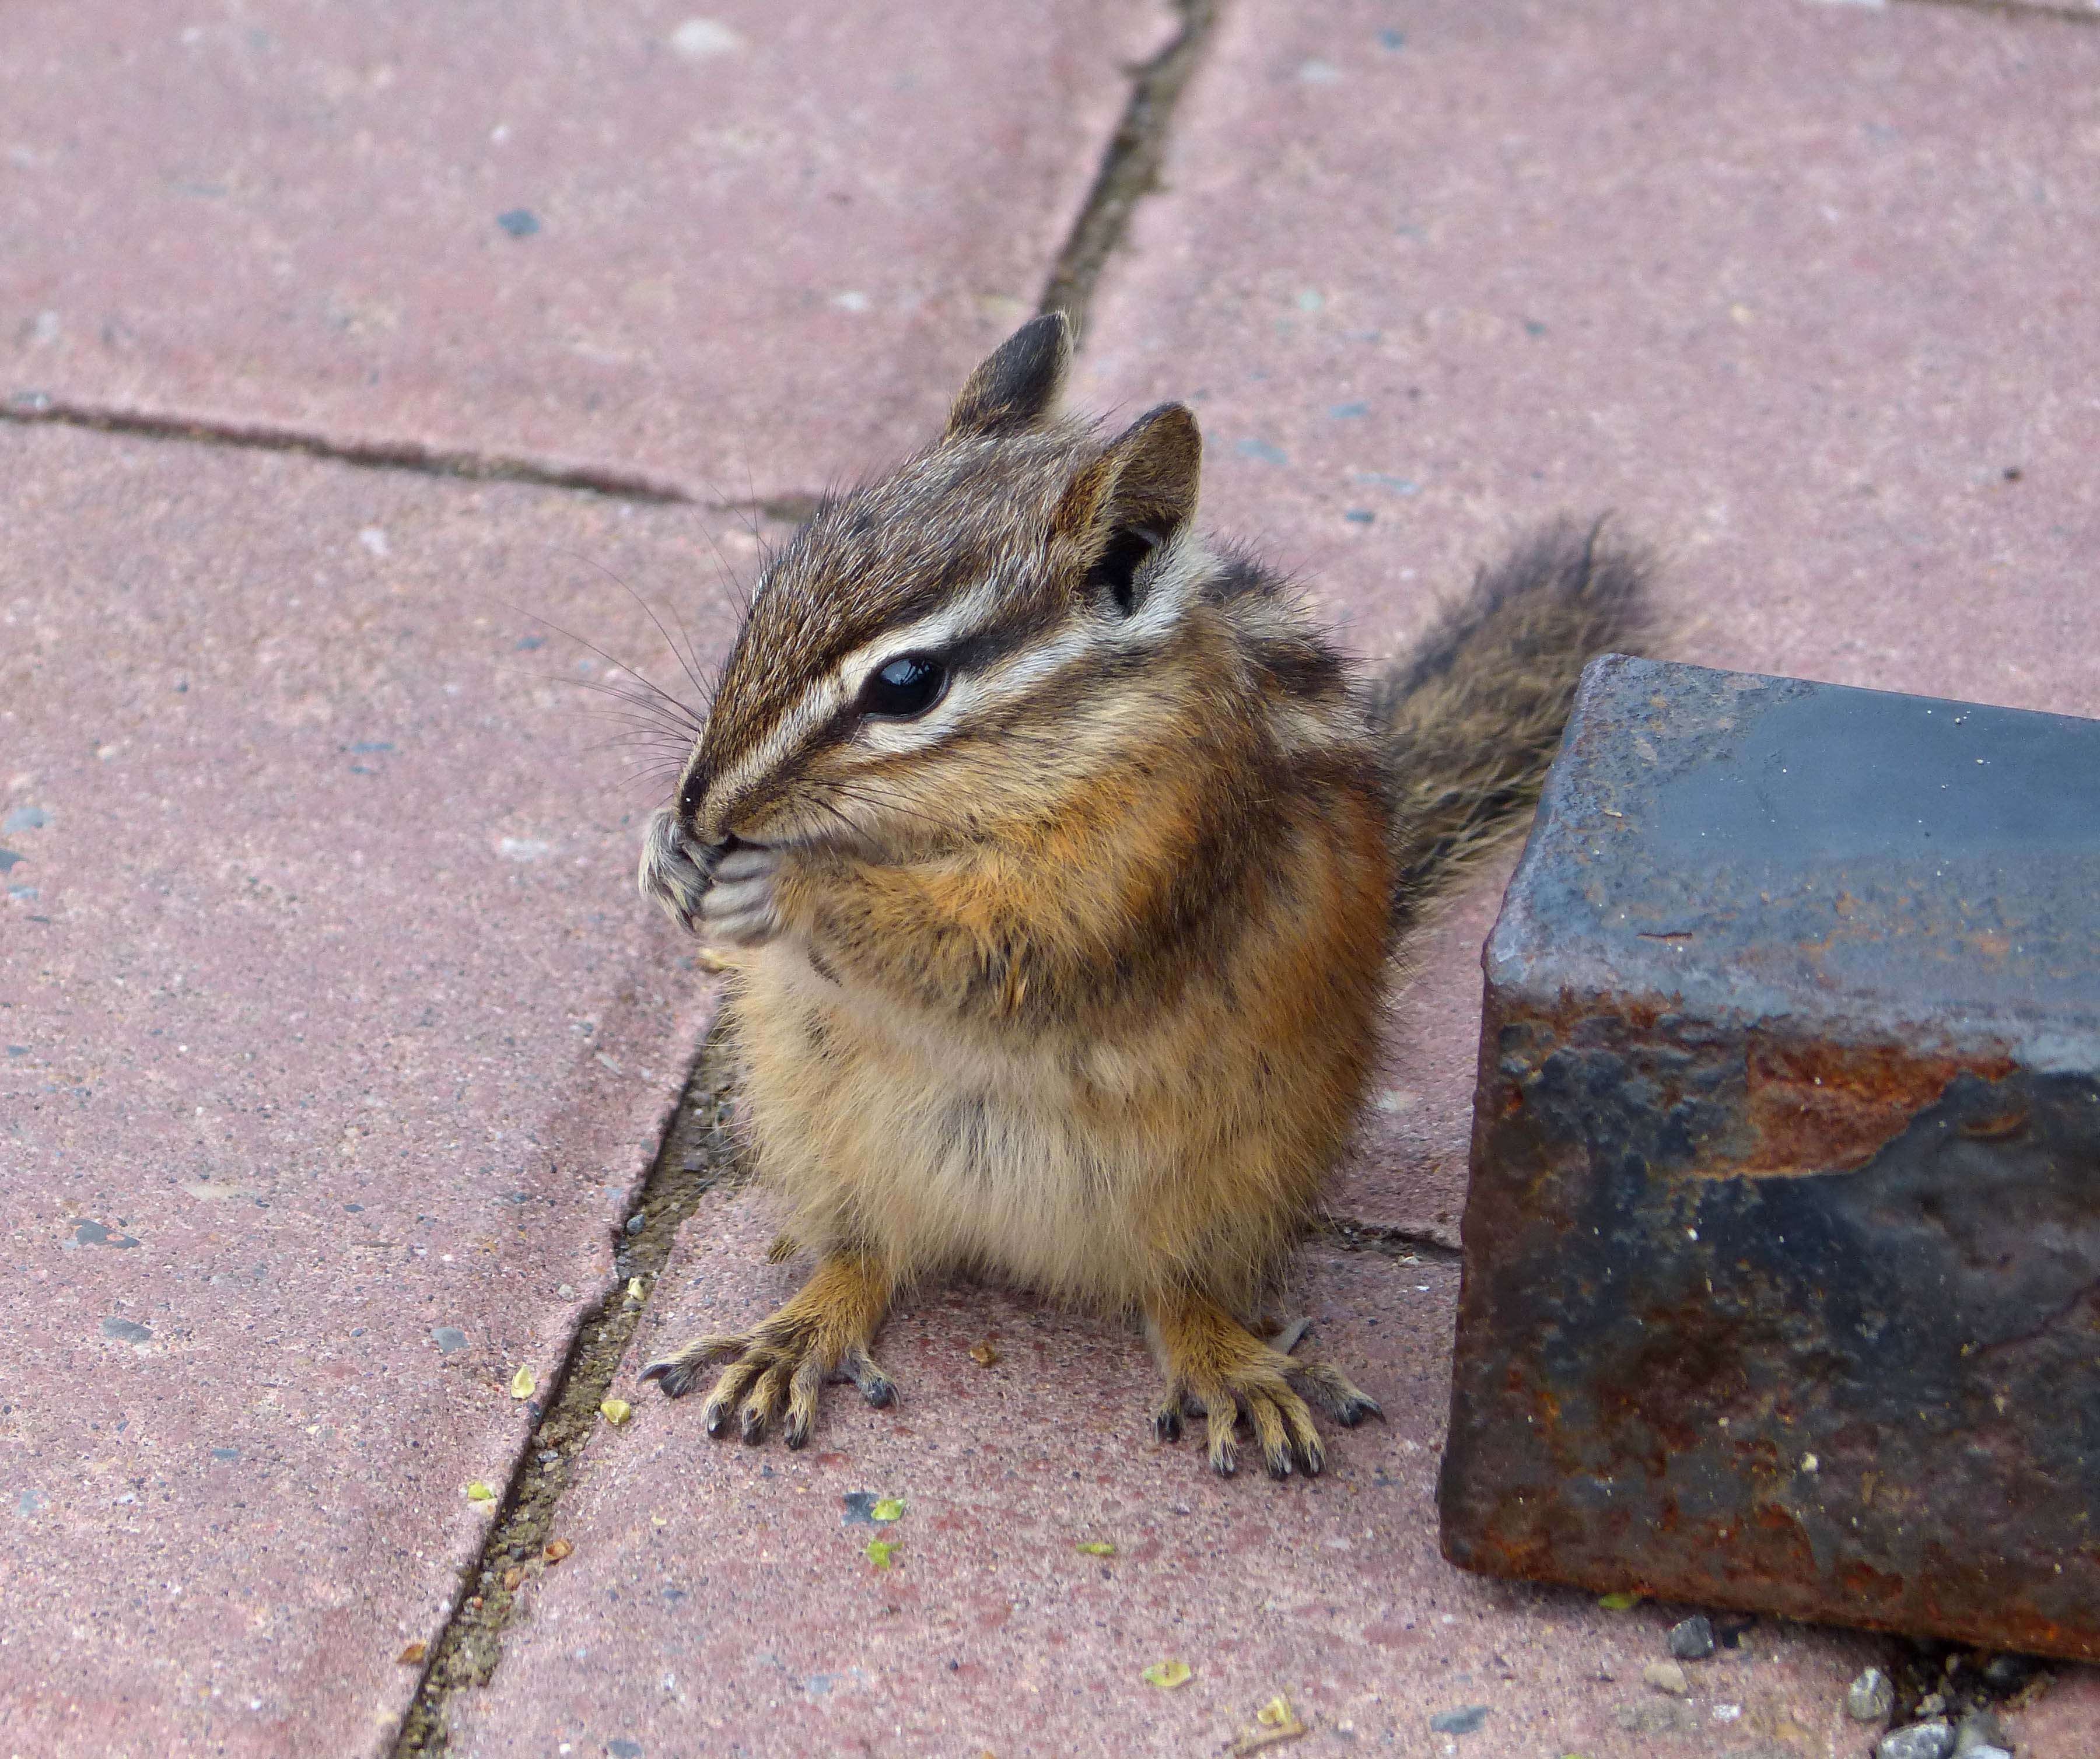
[(933, 650)]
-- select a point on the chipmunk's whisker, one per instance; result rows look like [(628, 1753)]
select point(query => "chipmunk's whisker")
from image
[(671, 752), (636, 673), (640, 733), (677, 715), (738, 601), (881, 803), (657, 776), (687, 660)]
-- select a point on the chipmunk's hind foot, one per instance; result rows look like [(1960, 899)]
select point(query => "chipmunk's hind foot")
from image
[(777, 1370), (1322, 1382), (1218, 1370)]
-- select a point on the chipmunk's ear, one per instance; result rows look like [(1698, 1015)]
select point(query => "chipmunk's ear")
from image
[(1129, 502), (1019, 384)]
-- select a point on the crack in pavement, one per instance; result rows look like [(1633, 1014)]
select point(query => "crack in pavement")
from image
[(34, 408), (1404, 1243), (699, 1153), (1130, 168), (2018, 9)]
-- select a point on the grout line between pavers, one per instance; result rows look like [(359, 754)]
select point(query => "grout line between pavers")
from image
[(1130, 168), (2017, 9), (36, 409), (699, 1153), (1400, 1243)]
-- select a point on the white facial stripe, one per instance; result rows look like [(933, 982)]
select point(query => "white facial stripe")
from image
[(1167, 597), (1168, 592), (929, 634), (819, 703), (830, 693)]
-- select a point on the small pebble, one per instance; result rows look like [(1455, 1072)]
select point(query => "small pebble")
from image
[(1692, 1639), (1920, 1740), (1460, 1722), (1666, 1676), (636, 1222), (1983, 1750), (1870, 1698), (1980, 1732)]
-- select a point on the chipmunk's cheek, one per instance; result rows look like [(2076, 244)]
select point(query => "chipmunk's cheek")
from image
[(669, 875)]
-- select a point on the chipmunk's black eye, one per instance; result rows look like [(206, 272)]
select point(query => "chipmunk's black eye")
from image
[(909, 685)]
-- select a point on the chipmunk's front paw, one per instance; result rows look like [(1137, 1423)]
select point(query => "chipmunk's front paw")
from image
[(674, 869), (1218, 1370), (781, 1364), (739, 906)]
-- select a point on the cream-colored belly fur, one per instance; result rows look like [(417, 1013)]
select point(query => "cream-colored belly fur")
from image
[(887, 1130)]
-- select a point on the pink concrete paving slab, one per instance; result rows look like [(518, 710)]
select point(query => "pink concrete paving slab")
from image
[(739, 250), (2065, 1720), (1408, 1170), (1802, 292), (722, 1600), (332, 1039)]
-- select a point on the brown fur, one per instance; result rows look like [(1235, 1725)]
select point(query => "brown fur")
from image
[(1075, 979)]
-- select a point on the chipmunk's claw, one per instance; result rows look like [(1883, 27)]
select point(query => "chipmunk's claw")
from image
[(1336, 1393), (679, 1372), (875, 1387), (1218, 1370), (1281, 1423), (777, 1370)]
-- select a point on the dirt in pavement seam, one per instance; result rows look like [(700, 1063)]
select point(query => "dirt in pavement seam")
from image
[(699, 1153), (1129, 168)]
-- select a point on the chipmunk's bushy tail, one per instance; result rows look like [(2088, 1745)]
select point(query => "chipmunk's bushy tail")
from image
[(1472, 717)]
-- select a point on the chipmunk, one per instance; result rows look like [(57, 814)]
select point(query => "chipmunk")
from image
[(1065, 855)]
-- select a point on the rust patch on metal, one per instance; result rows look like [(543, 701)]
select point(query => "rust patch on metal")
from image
[(1824, 1107)]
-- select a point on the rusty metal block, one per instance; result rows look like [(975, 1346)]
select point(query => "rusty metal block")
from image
[(1782, 1251)]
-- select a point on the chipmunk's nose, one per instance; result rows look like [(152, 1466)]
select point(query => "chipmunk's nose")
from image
[(692, 790)]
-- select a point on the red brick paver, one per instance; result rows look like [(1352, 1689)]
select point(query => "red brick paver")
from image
[(632, 238), (334, 1044)]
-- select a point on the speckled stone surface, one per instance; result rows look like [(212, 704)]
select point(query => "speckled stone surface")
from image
[(2064, 1720), (740, 251), (1801, 293), (721, 1599), (333, 1038)]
